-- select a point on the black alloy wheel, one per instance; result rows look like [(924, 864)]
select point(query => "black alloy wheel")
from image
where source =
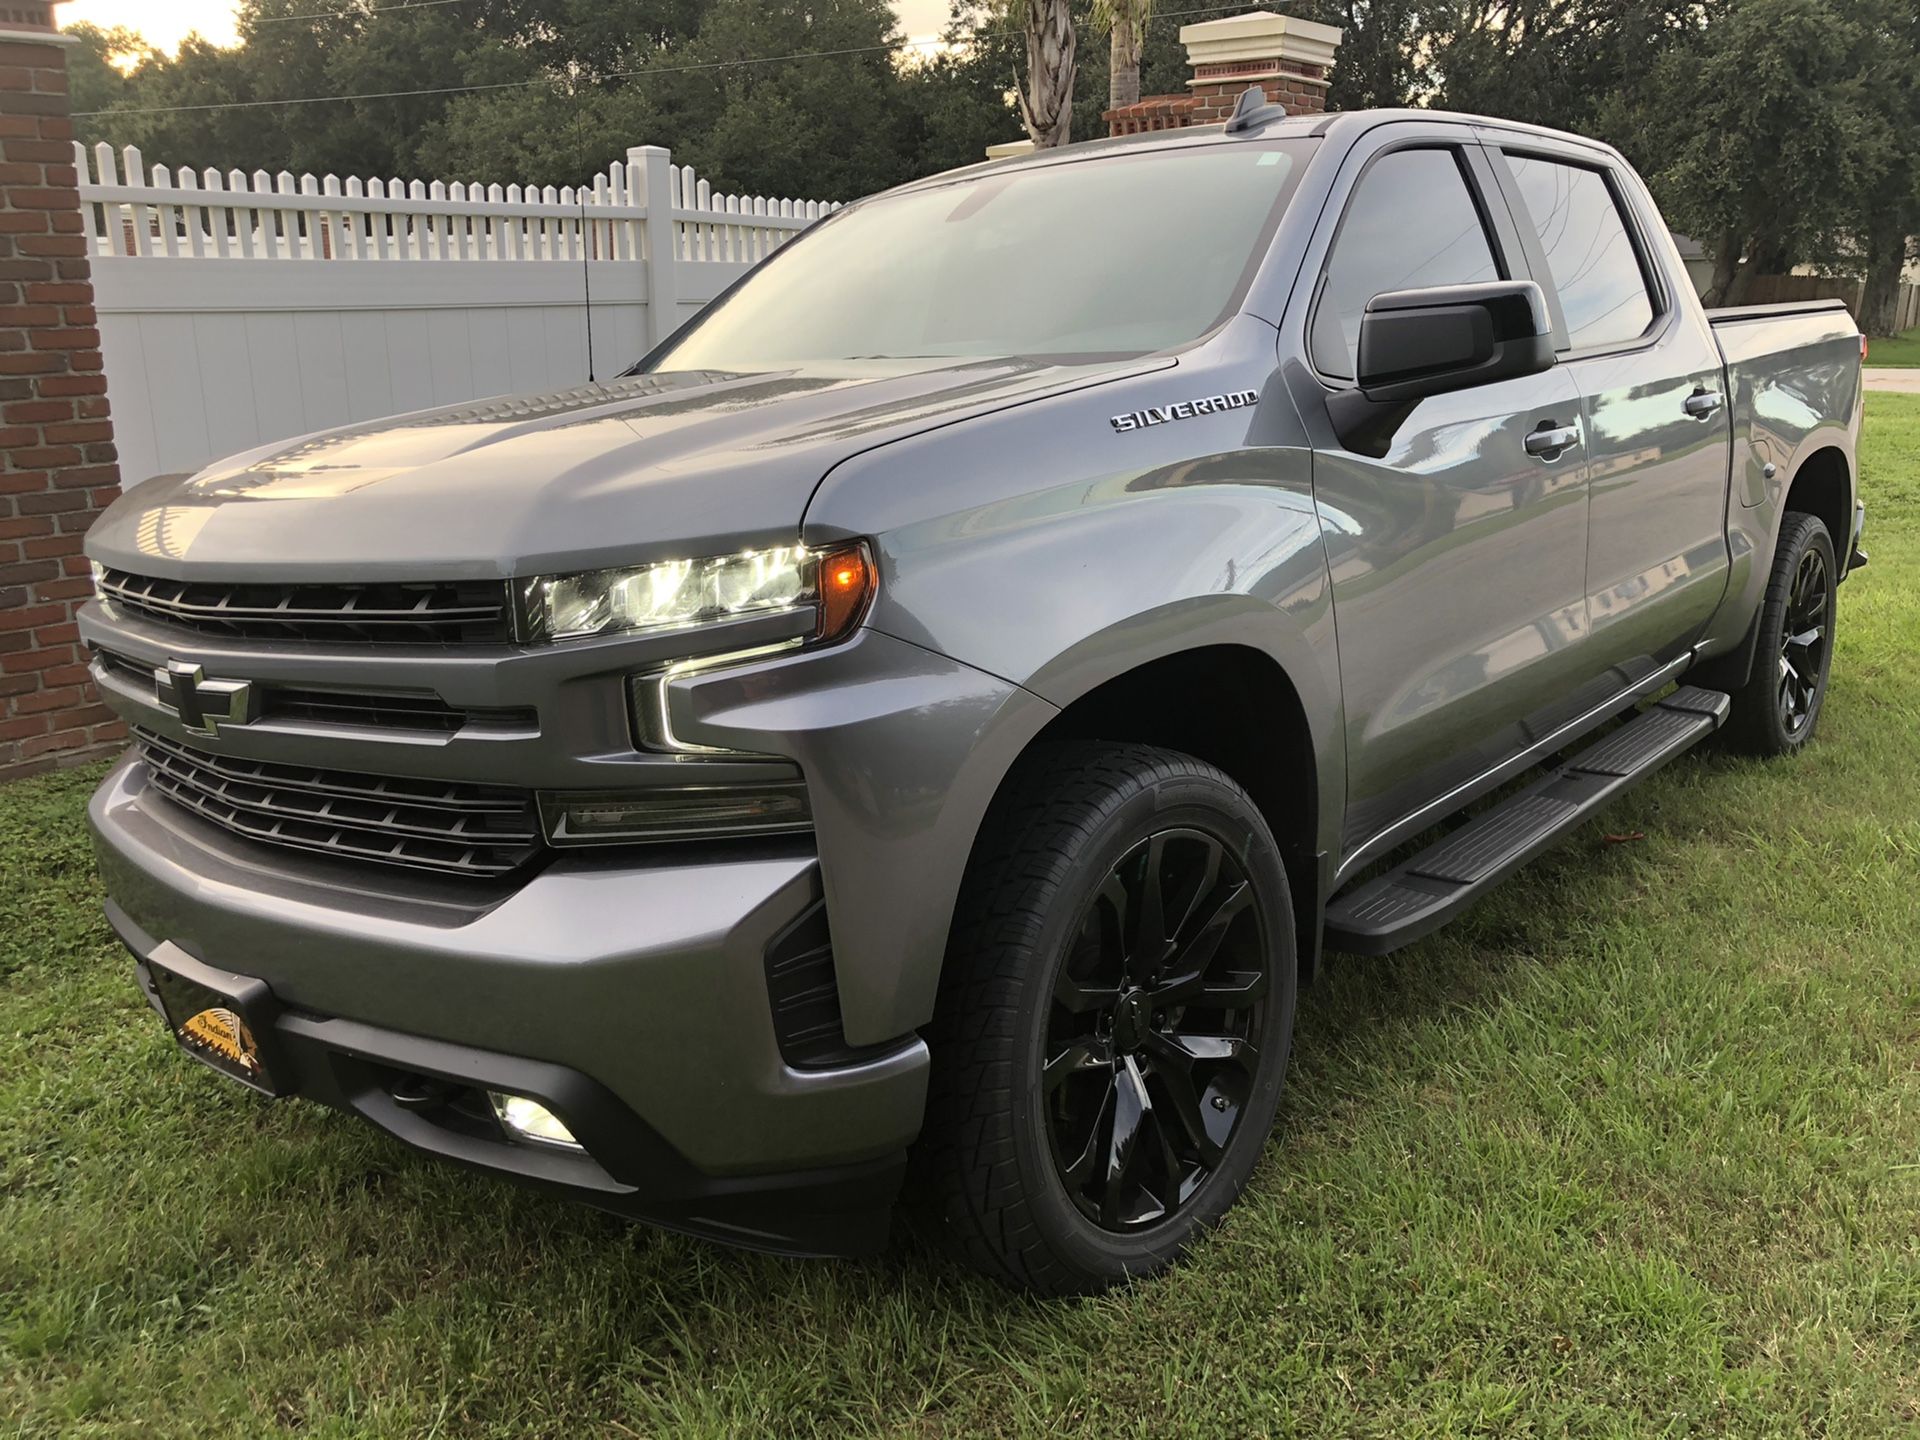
[(1776, 711), (1803, 642), (1114, 1021), (1152, 1041)]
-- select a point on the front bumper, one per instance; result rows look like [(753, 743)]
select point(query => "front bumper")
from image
[(637, 987)]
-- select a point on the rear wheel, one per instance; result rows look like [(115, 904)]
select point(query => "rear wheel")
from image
[(1777, 710), (1114, 1021)]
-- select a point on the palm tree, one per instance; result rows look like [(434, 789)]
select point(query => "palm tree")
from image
[(1126, 22), (1046, 100)]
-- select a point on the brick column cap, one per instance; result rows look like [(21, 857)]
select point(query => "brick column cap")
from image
[(31, 20), (1246, 41)]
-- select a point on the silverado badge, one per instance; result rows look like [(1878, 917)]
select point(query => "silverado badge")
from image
[(1185, 410)]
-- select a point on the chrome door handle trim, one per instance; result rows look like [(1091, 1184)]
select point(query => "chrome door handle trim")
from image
[(1549, 441), (1703, 403)]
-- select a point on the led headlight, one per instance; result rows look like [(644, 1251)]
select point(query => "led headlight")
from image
[(673, 594)]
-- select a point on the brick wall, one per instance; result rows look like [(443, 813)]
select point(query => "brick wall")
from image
[(1286, 58), (57, 461), (1299, 87)]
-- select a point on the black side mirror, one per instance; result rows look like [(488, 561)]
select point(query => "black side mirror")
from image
[(1416, 343)]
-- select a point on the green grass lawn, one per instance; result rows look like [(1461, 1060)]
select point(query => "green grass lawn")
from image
[(1900, 350), (1632, 1150)]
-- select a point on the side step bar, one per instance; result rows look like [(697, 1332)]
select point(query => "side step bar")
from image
[(1419, 896)]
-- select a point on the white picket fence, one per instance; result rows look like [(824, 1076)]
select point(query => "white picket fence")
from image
[(237, 310)]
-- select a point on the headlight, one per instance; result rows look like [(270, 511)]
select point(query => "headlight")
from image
[(674, 594)]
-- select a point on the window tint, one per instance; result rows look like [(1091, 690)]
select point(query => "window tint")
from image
[(1589, 253), (1411, 224)]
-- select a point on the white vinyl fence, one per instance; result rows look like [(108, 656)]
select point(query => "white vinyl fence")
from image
[(236, 310)]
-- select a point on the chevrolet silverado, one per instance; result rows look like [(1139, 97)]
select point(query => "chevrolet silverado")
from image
[(910, 737)]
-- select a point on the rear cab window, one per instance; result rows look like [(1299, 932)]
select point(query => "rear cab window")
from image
[(1589, 250)]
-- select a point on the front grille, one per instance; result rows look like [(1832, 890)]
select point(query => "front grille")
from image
[(416, 711), (385, 711), (445, 826), (449, 612)]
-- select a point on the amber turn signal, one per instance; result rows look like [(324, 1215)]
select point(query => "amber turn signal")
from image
[(847, 580)]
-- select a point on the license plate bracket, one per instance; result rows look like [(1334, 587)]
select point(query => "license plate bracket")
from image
[(223, 1020)]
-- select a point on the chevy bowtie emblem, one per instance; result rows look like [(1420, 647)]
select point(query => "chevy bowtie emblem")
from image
[(203, 705)]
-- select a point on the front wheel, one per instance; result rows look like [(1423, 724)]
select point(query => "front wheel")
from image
[(1777, 710), (1114, 1019)]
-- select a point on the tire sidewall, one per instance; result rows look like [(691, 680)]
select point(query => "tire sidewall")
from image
[(1809, 534), (1199, 802)]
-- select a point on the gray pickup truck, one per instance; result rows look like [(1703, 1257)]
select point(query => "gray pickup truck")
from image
[(911, 736)]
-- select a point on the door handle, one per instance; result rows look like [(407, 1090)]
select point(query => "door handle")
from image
[(1547, 442), (1703, 402)]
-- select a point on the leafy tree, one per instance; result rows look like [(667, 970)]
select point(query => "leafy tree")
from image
[(97, 64), (1885, 217), (962, 96), (834, 124), (1757, 132)]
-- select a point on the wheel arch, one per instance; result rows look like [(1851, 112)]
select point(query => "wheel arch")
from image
[(1234, 706), (1822, 486)]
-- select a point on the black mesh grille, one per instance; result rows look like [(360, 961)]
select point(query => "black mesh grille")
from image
[(429, 613), (445, 826)]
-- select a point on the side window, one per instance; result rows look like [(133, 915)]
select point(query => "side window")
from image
[(1589, 252), (1411, 223)]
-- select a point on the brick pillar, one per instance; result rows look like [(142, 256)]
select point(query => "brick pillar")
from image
[(1290, 59), (57, 461)]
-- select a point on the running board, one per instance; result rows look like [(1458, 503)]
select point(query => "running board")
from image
[(1418, 897)]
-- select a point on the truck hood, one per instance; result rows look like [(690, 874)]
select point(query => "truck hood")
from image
[(630, 470)]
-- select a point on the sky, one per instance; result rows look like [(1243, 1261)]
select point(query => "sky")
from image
[(166, 22)]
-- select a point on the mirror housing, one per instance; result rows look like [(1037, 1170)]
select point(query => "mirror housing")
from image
[(1416, 343)]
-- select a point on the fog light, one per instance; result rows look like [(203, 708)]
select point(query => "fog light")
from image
[(530, 1121), (678, 812)]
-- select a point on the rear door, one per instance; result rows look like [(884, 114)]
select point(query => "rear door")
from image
[(1656, 421), (1458, 558)]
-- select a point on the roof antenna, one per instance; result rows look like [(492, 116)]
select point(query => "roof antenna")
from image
[(1253, 111)]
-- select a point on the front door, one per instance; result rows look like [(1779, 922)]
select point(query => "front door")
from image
[(1458, 556)]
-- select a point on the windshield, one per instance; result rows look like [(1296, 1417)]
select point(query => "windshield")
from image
[(1119, 255)]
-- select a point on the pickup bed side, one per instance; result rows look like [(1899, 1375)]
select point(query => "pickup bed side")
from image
[(1793, 379)]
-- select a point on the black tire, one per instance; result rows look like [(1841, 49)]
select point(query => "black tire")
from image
[(1776, 712), (1046, 965)]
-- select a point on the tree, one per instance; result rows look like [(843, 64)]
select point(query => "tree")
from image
[(1887, 213), (1046, 99), (1125, 22), (1758, 132), (98, 62)]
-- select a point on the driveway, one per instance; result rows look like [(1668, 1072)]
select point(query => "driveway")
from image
[(1889, 377)]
